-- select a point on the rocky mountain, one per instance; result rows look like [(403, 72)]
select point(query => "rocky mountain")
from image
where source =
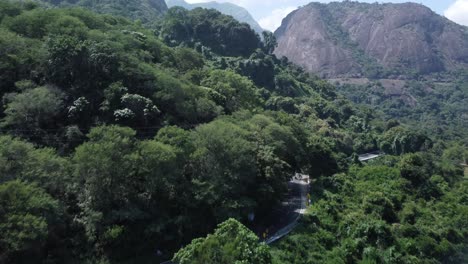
[(351, 39), (144, 10), (239, 13)]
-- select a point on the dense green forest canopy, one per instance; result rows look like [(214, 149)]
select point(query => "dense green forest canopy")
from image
[(434, 104), (236, 242), (145, 11), (120, 143), (409, 209)]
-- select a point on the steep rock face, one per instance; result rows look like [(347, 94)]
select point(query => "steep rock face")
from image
[(237, 12), (304, 39), (356, 39), (144, 10)]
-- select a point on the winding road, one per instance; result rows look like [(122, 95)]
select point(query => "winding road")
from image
[(292, 209), (295, 206), (370, 156)]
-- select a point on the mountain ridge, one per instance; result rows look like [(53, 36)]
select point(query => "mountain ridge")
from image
[(239, 13), (373, 40)]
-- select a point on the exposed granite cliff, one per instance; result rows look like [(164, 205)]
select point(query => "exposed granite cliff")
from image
[(351, 39)]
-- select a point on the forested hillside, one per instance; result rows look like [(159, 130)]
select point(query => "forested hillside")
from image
[(121, 143), (438, 106), (239, 13), (408, 209), (146, 11), (403, 61)]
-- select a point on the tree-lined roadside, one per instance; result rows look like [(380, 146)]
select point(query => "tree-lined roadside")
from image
[(295, 207)]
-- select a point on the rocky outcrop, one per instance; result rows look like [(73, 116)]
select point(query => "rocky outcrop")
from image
[(350, 39)]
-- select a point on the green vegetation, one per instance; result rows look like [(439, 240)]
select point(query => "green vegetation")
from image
[(239, 13), (231, 243), (436, 104), (28, 215), (220, 33), (146, 11), (121, 143), (413, 211)]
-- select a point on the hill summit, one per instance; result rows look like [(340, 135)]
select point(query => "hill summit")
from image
[(351, 39), (239, 13)]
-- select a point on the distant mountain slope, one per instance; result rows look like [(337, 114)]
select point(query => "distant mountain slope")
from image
[(350, 39), (239, 13), (144, 10)]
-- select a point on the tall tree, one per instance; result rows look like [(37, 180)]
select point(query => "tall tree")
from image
[(231, 243), (28, 216)]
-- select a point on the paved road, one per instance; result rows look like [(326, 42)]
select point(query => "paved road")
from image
[(369, 156), (289, 213), (292, 209)]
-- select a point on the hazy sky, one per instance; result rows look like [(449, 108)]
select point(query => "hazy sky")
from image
[(269, 13)]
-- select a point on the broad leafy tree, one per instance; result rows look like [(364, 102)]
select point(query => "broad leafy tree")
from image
[(231, 243), (27, 221)]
